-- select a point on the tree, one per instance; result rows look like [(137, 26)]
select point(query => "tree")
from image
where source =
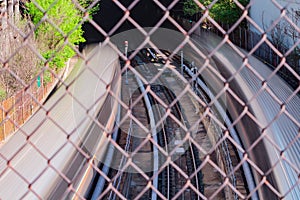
[(284, 35), (190, 8), (294, 35), (22, 62), (224, 11), (58, 28)]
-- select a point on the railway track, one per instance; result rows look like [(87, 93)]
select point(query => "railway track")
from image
[(126, 179), (166, 178), (225, 155), (185, 157), (178, 175), (183, 152), (131, 184), (228, 155)]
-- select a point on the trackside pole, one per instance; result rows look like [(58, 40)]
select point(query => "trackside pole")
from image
[(181, 55), (126, 51)]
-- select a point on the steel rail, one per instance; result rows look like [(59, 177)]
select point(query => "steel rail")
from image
[(166, 149), (186, 123), (154, 134), (182, 117), (167, 93)]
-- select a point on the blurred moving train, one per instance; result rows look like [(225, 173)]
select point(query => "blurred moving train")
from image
[(52, 155)]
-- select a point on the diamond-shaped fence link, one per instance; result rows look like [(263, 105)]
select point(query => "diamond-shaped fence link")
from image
[(182, 99)]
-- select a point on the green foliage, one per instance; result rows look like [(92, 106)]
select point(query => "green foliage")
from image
[(66, 18), (190, 8), (225, 11), (2, 94), (87, 3), (47, 77)]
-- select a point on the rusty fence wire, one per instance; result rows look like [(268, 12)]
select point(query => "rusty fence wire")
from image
[(155, 104)]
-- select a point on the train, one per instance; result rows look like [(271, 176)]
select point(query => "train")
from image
[(54, 154)]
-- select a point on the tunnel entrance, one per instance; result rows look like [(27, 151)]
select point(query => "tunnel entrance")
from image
[(145, 13)]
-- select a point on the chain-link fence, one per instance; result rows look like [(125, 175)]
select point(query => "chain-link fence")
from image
[(149, 99)]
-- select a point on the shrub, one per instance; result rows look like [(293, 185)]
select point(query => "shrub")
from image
[(224, 11), (2, 94), (58, 29)]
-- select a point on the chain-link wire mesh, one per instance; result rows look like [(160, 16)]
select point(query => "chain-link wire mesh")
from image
[(144, 100)]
